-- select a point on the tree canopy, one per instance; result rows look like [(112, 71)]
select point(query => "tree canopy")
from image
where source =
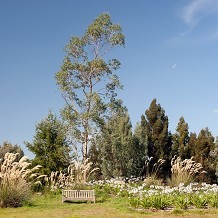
[(7, 147), (50, 145), (181, 139), (87, 80)]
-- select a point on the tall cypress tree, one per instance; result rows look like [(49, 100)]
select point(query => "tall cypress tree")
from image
[(180, 140), (192, 144), (159, 139), (157, 129)]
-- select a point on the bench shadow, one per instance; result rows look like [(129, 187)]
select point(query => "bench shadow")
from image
[(77, 202)]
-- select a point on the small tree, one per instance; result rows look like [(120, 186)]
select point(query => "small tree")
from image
[(116, 146), (96, 158), (7, 147), (50, 145), (87, 81), (140, 141), (204, 146)]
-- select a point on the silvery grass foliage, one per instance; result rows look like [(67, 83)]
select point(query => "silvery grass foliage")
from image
[(15, 180), (81, 171), (77, 176), (57, 180)]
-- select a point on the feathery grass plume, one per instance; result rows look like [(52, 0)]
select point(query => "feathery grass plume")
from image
[(184, 171), (15, 180), (79, 171), (57, 180), (77, 175), (152, 171)]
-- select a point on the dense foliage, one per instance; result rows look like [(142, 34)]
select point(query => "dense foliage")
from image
[(50, 145), (116, 147), (88, 82), (7, 147)]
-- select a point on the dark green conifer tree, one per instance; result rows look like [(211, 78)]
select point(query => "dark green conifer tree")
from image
[(159, 138), (192, 144), (157, 129), (204, 145), (180, 146)]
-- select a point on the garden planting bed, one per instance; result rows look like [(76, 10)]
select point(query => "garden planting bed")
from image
[(160, 197)]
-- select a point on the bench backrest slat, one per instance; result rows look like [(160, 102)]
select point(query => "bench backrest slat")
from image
[(78, 195)]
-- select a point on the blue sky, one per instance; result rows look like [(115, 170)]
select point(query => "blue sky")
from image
[(170, 54)]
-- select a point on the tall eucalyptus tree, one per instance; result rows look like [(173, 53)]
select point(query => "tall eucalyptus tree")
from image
[(87, 80)]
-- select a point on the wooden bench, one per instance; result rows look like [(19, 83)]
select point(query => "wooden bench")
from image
[(78, 195)]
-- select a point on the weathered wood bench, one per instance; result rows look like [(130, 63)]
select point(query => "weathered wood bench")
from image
[(78, 195)]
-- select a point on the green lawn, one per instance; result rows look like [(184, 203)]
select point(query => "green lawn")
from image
[(42, 206)]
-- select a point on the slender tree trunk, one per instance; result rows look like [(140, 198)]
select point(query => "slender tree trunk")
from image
[(85, 145)]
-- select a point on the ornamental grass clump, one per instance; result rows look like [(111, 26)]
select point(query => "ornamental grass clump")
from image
[(76, 177), (57, 180), (184, 171), (15, 180), (152, 171), (79, 173)]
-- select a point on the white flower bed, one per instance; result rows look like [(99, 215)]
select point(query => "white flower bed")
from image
[(195, 194)]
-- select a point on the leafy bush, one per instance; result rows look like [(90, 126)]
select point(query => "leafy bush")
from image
[(213, 200), (160, 202), (146, 203), (134, 202), (182, 202), (199, 201), (101, 194)]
